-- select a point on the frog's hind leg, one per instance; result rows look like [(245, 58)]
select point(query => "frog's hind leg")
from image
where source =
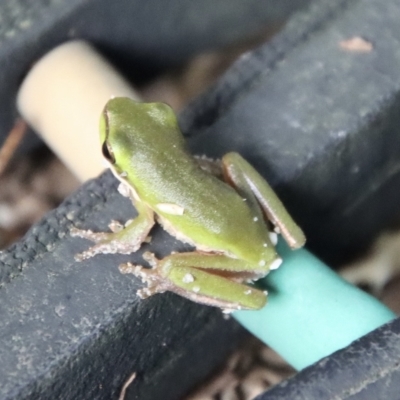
[(123, 239), (203, 278), (241, 175)]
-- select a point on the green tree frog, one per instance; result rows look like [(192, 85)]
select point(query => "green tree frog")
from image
[(226, 220)]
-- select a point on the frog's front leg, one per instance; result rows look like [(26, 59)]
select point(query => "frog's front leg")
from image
[(211, 279), (241, 175), (123, 239)]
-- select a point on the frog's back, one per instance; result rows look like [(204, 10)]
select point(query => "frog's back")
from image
[(200, 207), (194, 204)]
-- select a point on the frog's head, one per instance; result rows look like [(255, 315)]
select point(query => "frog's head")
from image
[(130, 129)]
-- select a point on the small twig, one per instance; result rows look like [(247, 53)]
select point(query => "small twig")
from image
[(13, 140), (125, 387)]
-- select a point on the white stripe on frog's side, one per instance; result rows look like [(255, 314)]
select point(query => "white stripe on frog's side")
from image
[(170, 208)]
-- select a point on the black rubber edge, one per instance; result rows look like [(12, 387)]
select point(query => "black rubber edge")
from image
[(368, 369), (77, 330), (140, 36)]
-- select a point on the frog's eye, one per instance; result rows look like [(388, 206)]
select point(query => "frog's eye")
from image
[(108, 153)]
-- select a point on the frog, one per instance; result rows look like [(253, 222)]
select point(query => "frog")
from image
[(231, 219)]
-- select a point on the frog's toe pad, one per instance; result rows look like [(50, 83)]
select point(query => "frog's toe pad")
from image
[(88, 234), (146, 292), (130, 268), (115, 226), (147, 275)]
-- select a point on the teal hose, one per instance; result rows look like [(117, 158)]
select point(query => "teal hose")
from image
[(311, 311)]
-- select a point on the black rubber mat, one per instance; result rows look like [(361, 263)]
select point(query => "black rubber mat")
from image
[(320, 122)]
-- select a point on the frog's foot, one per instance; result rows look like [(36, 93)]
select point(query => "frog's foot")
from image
[(106, 242), (149, 276)]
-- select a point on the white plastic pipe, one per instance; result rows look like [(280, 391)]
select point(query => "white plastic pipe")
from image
[(62, 98)]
